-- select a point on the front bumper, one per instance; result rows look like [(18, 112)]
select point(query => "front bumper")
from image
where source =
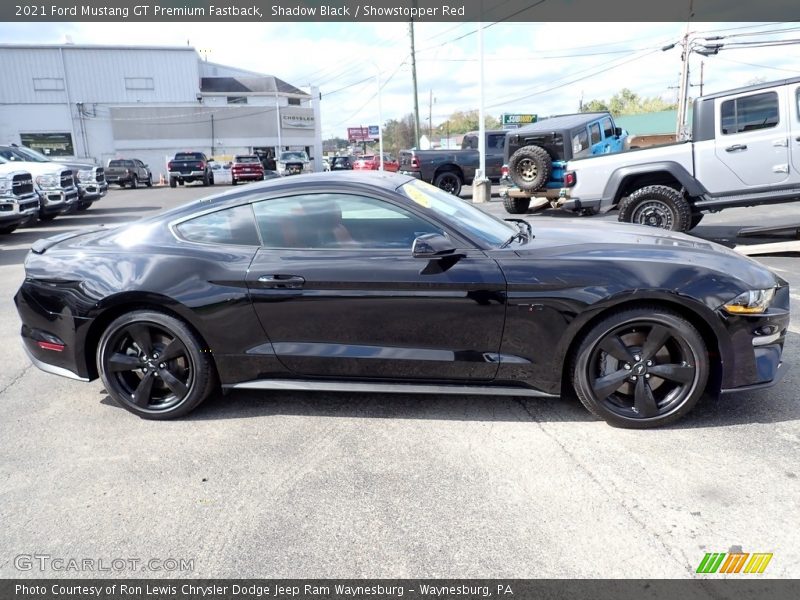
[(18, 209), (57, 200), (755, 359), (92, 190)]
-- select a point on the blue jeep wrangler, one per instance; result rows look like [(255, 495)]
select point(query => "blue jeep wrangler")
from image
[(535, 155)]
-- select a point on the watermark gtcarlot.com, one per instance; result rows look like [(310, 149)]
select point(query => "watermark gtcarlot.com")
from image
[(67, 564)]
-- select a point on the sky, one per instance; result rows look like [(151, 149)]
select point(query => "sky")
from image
[(541, 68)]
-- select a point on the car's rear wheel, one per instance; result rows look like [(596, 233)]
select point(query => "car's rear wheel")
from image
[(149, 182), (134, 182), (173, 182), (233, 181), (153, 365), (8, 229), (516, 206), (449, 181), (640, 368), (657, 206)]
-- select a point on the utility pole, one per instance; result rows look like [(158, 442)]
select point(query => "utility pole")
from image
[(430, 116), (212, 134), (414, 79), (702, 64), (683, 99)]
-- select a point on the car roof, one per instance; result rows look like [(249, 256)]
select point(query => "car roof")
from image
[(561, 122)]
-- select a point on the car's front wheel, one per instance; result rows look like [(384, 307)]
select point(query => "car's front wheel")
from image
[(640, 368), (153, 365)]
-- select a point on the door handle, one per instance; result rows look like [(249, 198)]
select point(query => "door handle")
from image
[(283, 282), (736, 148)]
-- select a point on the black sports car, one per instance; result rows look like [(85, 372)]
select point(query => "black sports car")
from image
[(381, 283)]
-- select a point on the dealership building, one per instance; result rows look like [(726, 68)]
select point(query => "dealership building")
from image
[(148, 102)]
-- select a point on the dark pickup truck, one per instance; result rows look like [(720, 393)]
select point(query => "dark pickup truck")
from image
[(451, 169), (187, 167), (130, 172)]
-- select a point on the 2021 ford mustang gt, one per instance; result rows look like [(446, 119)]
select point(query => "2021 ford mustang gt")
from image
[(379, 282)]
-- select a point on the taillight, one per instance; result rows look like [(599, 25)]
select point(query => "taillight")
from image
[(201, 165), (504, 170), (414, 162), (169, 165), (570, 179), (50, 346)]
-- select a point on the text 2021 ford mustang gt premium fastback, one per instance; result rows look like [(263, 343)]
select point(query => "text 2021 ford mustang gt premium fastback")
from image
[(380, 283)]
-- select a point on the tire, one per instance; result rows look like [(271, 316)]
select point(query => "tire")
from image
[(134, 182), (233, 181), (82, 206), (9, 229), (516, 206), (651, 341), (696, 218), (657, 206), (211, 179), (206, 180), (184, 181), (173, 182), (449, 181), (149, 182), (167, 389), (46, 217), (530, 168)]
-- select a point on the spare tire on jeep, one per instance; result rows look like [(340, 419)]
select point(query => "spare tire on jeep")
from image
[(529, 168)]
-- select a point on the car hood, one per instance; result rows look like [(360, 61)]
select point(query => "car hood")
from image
[(650, 248), (38, 168)]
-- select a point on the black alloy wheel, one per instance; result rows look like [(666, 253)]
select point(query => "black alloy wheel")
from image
[(153, 365), (449, 181), (641, 368), (134, 182)]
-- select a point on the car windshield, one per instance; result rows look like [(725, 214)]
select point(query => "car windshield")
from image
[(367, 157), (120, 163), (472, 220), (293, 156), (188, 156), (248, 160), (30, 154), (14, 155)]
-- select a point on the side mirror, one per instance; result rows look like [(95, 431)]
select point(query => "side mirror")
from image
[(618, 131), (432, 246)]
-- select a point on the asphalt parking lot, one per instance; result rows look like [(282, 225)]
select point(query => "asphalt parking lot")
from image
[(356, 485)]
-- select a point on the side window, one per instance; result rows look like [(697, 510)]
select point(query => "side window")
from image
[(608, 128), (594, 129), (797, 101), (496, 141), (749, 113), (228, 226), (580, 142), (337, 221)]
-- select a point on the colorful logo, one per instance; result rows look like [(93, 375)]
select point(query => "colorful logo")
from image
[(734, 562)]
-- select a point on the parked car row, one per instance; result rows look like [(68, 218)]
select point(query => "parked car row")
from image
[(34, 187)]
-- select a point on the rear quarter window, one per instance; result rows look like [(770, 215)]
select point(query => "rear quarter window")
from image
[(234, 226)]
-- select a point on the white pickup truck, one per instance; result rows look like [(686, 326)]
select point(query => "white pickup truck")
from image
[(745, 150)]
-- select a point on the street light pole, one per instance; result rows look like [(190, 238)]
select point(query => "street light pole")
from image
[(481, 119), (380, 117)]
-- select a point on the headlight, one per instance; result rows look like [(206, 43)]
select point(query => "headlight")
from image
[(47, 181), (5, 186), (86, 175), (753, 302)]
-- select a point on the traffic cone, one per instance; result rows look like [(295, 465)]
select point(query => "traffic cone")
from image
[(162, 180)]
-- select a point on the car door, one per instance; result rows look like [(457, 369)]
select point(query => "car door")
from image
[(752, 140), (596, 142), (339, 293), (495, 154), (613, 142), (794, 130)]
